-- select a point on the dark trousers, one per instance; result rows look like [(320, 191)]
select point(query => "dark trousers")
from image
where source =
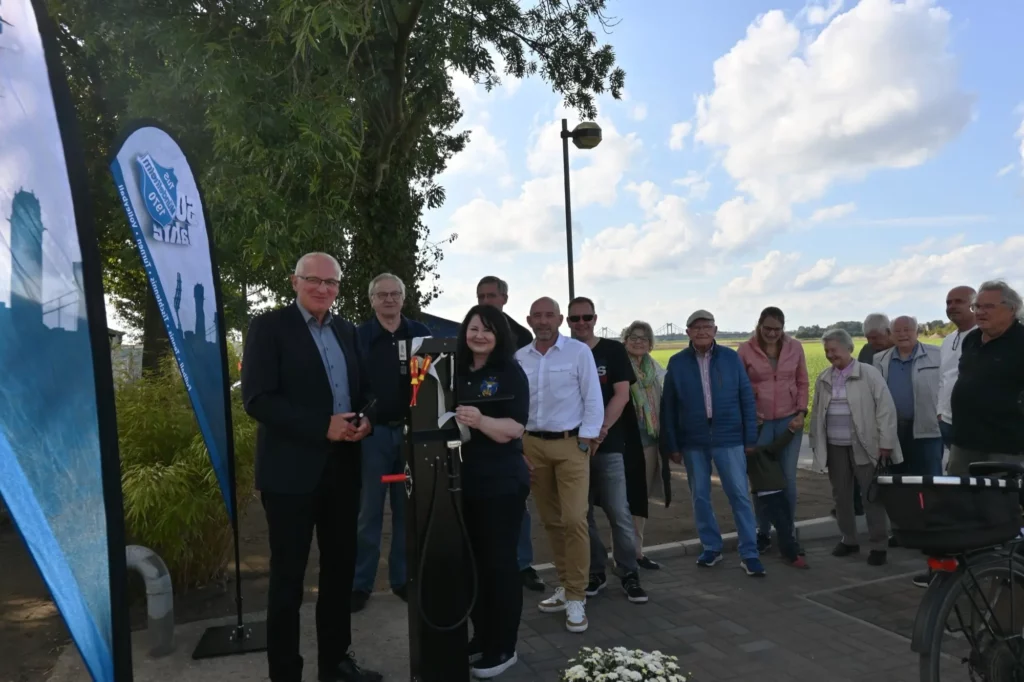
[(778, 510), (493, 524), (332, 510)]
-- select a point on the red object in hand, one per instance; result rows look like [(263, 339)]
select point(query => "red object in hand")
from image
[(393, 478)]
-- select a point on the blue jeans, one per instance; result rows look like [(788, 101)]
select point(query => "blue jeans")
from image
[(731, 463), (608, 491), (921, 456), (788, 458), (524, 550), (382, 455)]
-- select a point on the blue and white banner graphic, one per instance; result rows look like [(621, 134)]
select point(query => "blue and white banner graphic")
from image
[(164, 208), (59, 469)]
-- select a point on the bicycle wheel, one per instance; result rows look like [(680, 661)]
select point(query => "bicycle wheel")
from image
[(980, 620)]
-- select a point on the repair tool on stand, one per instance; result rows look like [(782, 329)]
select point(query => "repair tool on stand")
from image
[(441, 568)]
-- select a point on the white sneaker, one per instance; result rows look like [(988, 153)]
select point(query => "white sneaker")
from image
[(576, 616), (555, 603)]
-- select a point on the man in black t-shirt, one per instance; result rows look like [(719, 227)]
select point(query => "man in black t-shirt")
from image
[(607, 466), (986, 401), (493, 291)]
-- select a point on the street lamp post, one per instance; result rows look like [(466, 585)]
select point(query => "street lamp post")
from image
[(586, 135)]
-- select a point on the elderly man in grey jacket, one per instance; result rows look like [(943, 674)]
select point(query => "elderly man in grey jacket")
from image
[(911, 371)]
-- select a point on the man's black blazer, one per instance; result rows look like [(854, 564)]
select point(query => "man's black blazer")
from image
[(286, 389)]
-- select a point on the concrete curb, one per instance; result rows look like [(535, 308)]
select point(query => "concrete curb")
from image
[(821, 528)]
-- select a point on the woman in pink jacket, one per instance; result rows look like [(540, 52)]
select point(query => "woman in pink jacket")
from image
[(777, 368)]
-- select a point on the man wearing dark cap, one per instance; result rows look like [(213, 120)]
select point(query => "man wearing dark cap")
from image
[(709, 417)]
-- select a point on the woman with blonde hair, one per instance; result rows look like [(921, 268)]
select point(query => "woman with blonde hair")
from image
[(645, 396)]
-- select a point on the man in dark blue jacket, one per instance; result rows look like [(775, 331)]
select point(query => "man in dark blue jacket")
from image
[(382, 450), (708, 416)]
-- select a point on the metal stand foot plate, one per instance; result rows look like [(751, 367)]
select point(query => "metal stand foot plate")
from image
[(232, 640)]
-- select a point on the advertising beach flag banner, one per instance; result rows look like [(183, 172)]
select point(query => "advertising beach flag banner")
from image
[(164, 208), (59, 469)]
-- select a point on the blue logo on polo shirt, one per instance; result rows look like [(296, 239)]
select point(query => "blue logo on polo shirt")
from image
[(488, 387)]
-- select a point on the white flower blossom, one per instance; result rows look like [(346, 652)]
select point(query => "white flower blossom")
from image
[(620, 664)]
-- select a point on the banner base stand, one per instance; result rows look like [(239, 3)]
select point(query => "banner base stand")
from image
[(232, 640)]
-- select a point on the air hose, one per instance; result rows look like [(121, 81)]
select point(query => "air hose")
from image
[(453, 489)]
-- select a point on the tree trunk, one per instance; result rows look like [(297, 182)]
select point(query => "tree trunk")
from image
[(155, 343)]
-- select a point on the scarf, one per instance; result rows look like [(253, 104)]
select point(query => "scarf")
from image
[(646, 393)]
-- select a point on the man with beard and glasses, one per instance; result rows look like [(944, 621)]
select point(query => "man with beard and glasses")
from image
[(607, 466), (566, 413)]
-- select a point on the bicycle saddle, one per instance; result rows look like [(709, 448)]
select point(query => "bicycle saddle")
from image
[(1014, 469)]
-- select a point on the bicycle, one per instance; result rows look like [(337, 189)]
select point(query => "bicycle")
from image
[(970, 529)]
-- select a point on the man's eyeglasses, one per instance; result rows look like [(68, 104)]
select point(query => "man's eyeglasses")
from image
[(317, 281), (385, 295), (988, 307), (585, 318)]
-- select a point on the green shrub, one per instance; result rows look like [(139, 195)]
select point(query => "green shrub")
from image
[(173, 504)]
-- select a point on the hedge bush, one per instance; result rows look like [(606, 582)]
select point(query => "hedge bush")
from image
[(173, 504)]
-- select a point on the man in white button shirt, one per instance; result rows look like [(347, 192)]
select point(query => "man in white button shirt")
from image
[(566, 414), (958, 310)]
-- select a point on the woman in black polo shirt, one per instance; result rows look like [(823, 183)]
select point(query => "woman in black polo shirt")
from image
[(495, 480)]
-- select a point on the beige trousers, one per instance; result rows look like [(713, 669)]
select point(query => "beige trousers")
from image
[(561, 487), (842, 471)]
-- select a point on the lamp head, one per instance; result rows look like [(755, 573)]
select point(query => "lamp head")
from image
[(586, 135)]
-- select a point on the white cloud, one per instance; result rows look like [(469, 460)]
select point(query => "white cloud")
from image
[(533, 221), (767, 274), (697, 184), (937, 244), (833, 212), (484, 154), (817, 14), (796, 112), (1008, 168), (639, 112), (658, 246), (908, 284), (817, 276), (678, 134)]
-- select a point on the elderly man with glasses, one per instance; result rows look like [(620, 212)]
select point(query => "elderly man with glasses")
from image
[(708, 416), (382, 449)]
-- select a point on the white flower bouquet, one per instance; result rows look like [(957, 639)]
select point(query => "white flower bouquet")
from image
[(622, 665)]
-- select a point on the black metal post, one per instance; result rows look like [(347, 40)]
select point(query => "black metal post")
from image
[(566, 135)]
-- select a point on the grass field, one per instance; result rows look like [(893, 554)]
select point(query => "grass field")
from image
[(813, 350)]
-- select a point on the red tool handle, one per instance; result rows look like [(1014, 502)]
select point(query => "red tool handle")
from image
[(393, 478)]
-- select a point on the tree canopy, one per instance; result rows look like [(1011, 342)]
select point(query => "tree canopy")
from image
[(311, 124)]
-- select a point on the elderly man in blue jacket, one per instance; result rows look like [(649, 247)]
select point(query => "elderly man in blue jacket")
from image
[(708, 416)]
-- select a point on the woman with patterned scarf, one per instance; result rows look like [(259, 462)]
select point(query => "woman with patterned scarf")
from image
[(645, 396)]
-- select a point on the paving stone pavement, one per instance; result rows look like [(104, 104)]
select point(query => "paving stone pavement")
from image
[(724, 625)]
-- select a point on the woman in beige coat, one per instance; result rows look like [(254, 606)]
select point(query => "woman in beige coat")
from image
[(853, 426)]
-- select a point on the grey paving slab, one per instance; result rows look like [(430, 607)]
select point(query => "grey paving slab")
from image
[(826, 623)]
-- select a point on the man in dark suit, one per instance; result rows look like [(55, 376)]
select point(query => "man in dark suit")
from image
[(302, 380)]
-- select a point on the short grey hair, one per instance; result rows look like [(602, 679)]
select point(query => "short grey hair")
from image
[(877, 322), (1010, 298), (380, 278), (643, 327), (300, 266), (839, 335), (497, 281), (910, 318)]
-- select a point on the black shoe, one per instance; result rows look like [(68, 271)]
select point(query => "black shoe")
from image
[(349, 671), (359, 600), (764, 543), (833, 512), (648, 564), (598, 581), (922, 579), (531, 580), (876, 557), (631, 586), (492, 666), (402, 592), (842, 550), (476, 650)]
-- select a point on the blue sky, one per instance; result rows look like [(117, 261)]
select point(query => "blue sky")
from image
[(831, 159)]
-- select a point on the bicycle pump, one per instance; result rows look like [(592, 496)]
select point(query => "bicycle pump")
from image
[(441, 570)]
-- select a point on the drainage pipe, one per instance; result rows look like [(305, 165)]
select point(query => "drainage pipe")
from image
[(159, 598)]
